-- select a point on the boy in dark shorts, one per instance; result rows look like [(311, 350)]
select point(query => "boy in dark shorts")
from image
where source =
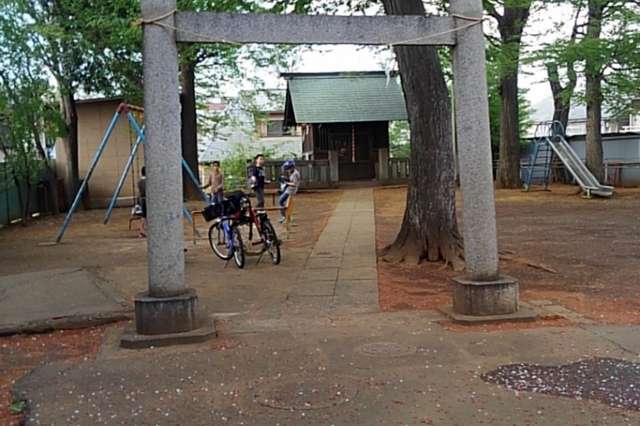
[(256, 179)]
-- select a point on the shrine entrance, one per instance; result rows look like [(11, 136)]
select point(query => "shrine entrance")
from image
[(168, 306)]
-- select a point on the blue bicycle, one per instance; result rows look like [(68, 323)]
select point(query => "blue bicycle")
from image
[(225, 240)]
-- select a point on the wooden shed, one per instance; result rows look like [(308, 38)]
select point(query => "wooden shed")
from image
[(94, 116), (345, 119)]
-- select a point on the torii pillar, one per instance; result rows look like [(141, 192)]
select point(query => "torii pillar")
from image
[(482, 291), (168, 312)]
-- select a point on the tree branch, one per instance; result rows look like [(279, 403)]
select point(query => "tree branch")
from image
[(492, 11)]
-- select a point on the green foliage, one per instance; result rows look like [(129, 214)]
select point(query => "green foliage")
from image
[(94, 48), (86, 45), (28, 110), (399, 139), (614, 55)]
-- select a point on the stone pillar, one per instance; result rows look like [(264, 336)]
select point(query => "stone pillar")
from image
[(482, 291), (383, 164), (162, 153), (334, 166), (168, 308)]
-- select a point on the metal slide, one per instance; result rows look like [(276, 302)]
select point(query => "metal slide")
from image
[(577, 168), (563, 151)]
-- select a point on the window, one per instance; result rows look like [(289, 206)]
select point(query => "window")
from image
[(272, 125), (276, 128)]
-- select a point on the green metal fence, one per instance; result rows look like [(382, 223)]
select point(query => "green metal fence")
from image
[(10, 198)]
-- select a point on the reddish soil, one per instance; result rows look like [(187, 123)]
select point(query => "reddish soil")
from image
[(20, 354), (594, 245)]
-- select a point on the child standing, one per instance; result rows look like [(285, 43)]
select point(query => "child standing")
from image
[(290, 187), (215, 180)]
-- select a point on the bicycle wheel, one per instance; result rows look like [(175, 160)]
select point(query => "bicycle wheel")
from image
[(271, 242), (238, 248), (218, 242)]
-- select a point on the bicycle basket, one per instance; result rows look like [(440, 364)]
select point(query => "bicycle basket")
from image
[(212, 211)]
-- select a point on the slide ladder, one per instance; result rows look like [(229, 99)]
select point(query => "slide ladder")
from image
[(539, 165)]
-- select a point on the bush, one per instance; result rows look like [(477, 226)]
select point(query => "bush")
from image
[(234, 165)]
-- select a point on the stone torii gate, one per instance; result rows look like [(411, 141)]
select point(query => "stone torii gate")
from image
[(169, 308)]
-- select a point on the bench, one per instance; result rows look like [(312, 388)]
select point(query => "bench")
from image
[(274, 194), (194, 213)]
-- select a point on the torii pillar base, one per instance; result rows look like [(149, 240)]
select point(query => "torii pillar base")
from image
[(165, 321), (495, 297), (477, 301)]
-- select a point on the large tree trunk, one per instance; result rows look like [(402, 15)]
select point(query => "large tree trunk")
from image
[(70, 145), (594, 120), (509, 162), (593, 92), (510, 24), (429, 228), (189, 128), (561, 95)]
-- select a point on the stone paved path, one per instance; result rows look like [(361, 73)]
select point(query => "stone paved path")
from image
[(341, 270)]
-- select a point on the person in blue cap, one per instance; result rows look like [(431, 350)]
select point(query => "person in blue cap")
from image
[(290, 186)]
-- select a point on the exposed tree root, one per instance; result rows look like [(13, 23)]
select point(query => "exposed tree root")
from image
[(409, 250)]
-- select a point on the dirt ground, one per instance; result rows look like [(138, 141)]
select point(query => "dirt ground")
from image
[(115, 254), (593, 245)]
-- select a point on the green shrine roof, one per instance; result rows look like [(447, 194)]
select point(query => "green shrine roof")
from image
[(343, 98)]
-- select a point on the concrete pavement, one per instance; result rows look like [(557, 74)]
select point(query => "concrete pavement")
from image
[(60, 298), (321, 353)]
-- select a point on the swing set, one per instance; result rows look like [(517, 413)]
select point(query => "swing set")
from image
[(128, 110)]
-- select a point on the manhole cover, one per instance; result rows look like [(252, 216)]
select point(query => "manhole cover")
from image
[(614, 382), (305, 395), (386, 349)]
